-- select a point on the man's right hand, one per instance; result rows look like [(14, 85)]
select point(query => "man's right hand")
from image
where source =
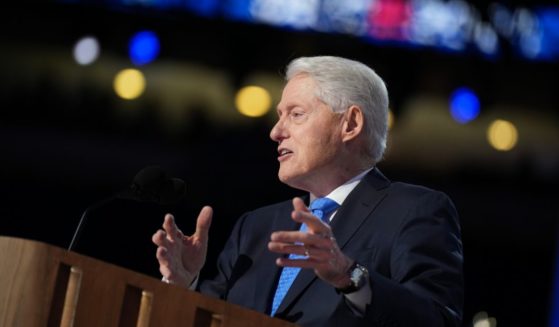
[(182, 257)]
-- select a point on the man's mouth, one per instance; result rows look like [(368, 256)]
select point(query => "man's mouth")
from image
[(284, 153)]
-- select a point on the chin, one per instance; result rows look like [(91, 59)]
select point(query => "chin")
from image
[(293, 181), (284, 178)]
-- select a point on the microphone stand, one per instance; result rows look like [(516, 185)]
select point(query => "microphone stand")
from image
[(84, 217), (151, 184)]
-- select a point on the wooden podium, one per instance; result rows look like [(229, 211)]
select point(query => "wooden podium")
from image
[(42, 285)]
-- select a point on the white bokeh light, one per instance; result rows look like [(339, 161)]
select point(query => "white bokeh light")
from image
[(86, 50)]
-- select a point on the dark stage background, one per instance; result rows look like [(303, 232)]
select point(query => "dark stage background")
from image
[(67, 141)]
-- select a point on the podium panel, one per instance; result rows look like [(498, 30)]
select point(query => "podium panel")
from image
[(42, 285)]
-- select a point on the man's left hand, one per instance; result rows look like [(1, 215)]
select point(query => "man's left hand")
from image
[(317, 244)]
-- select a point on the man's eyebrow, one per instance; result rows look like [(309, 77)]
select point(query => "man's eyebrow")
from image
[(284, 108), (288, 106)]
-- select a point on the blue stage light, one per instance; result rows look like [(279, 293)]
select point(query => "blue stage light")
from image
[(208, 8), (464, 105), (549, 24), (143, 48), (554, 319), (237, 9)]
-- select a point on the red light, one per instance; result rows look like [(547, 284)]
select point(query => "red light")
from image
[(389, 19)]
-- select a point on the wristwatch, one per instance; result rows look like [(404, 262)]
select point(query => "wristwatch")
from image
[(358, 276)]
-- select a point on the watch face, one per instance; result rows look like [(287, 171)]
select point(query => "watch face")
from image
[(358, 275)]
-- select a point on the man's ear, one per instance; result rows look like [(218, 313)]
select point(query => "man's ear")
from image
[(353, 123)]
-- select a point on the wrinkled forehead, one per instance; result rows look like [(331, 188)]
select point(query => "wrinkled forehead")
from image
[(300, 85), (300, 88), (302, 96)]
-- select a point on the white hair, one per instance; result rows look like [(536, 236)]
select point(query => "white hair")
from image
[(342, 83)]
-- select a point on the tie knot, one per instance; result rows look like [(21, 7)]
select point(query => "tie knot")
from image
[(322, 207)]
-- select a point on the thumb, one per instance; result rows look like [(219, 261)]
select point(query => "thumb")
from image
[(299, 205), (203, 223)]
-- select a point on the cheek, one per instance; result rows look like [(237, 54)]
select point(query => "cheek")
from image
[(317, 152), (322, 144), (316, 145)]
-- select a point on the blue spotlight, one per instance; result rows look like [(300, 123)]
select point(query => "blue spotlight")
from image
[(143, 48), (464, 105), (208, 8), (238, 9), (549, 23)]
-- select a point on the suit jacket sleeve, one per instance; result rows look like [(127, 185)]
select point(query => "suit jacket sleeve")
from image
[(228, 265), (423, 284)]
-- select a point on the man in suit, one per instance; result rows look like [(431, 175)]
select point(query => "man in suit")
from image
[(366, 252)]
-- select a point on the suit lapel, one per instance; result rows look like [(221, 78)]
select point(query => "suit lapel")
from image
[(359, 204), (269, 276)]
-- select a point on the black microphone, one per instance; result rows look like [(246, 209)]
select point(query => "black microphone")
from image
[(151, 184)]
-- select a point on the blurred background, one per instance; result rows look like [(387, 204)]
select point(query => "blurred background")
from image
[(91, 92)]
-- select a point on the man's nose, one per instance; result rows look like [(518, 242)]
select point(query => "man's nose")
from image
[(278, 131)]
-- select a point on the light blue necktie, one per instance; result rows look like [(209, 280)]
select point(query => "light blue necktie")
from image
[(321, 208)]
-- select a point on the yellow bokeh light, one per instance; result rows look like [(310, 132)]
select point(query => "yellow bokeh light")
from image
[(253, 101), (481, 319), (502, 135), (129, 84), (390, 119)]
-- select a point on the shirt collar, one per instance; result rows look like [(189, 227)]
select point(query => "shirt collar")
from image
[(340, 193)]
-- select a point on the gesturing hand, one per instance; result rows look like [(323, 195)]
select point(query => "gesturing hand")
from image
[(182, 257), (317, 244)]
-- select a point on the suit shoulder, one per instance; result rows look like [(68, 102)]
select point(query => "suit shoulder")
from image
[(399, 190), (418, 198), (268, 211), (287, 204), (414, 191)]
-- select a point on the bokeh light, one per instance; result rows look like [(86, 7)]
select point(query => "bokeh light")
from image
[(481, 319), (86, 50), (486, 39), (464, 105), (390, 119), (129, 84), (502, 135), (143, 47), (253, 101)]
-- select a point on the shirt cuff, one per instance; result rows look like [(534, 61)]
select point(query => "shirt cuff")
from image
[(192, 286), (358, 300)]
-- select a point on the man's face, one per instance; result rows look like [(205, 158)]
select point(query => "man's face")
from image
[(309, 136)]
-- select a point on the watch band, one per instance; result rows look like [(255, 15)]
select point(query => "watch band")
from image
[(358, 276)]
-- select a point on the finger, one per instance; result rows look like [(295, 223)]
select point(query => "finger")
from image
[(299, 205), (159, 238), (301, 214), (169, 225), (161, 255), (314, 224), (302, 237), (203, 223), (165, 271), (325, 256), (286, 248), (318, 254)]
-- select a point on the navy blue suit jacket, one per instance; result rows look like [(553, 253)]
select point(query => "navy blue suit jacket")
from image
[(407, 236)]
